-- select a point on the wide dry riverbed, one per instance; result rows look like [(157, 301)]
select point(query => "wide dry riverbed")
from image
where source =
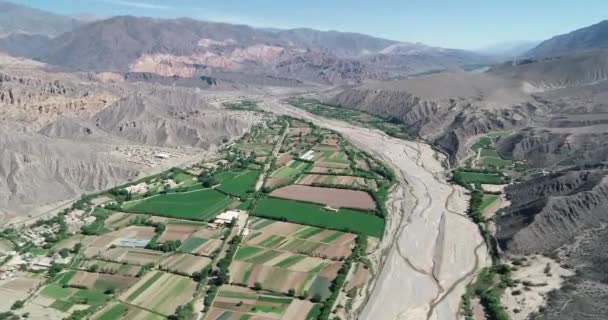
[(432, 249)]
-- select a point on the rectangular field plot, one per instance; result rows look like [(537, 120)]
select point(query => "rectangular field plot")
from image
[(234, 302), (109, 267), (117, 310), (314, 215), (297, 238), (195, 205), (478, 177), (334, 180), (160, 292), (278, 279), (241, 184), (179, 231), (132, 256), (65, 297), (185, 264), (100, 281), (334, 197), (205, 242)]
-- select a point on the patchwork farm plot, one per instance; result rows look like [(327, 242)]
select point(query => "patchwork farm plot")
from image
[(151, 250), (109, 267), (117, 310), (297, 238), (205, 242), (160, 292), (131, 256), (234, 302), (100, 281), (185, 264)]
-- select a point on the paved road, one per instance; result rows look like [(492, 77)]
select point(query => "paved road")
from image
[(432, 248)]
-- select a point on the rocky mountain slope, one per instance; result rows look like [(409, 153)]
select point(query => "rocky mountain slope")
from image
[(15, 18), (66, 134), (556, 108), (591, 37), (190, 48)]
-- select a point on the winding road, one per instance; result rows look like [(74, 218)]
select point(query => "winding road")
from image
[(431, 249)]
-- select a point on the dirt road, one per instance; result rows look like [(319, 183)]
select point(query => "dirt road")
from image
[(431, 250)]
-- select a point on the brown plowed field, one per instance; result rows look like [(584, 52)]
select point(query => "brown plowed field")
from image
[(178, 232), (336, 198)]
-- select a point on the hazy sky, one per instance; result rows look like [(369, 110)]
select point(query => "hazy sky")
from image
[(467, 24)]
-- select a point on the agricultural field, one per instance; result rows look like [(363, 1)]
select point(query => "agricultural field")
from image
[(205, 242), (393, 128), (109, 267), (132, 256), (333, 197), (487, 200), (195, 205), (297, 238), (337, 180), (152, 241), (239, 184), (117, 310), (287, 174), (185, 264), (99, 281), (234, 302), (5, 246), (315, 281), (64, 298), (479, 177), (100, 244), (315, 215), (486, 156), (181, 230), (160, 292)]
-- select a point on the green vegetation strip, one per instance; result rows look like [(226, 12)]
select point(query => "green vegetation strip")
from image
[(347, 220)]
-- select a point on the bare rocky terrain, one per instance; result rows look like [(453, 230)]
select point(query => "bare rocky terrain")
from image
[(65, 134)]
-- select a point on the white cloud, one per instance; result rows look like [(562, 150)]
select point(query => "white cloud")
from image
[(138, 4)]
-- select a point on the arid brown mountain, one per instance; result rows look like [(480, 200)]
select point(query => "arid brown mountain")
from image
[(190, 48), (64, 134), (591, 37), (16, 18), (557, 110)]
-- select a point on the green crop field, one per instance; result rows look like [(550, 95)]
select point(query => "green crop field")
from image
[(493, 162), (144, 286), (64, 277), (311, 214), (489, 153), (477, 177), (241, 184), (113, 312), (192, 243), (483, 142), (487, 200), (286, 173), (195, 205)]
